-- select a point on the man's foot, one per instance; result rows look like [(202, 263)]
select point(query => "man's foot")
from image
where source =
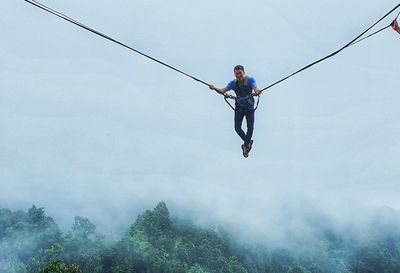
[(245, 151), (250, 145)]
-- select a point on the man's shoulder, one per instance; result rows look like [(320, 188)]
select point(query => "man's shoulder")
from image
[(251, 79), (231, 84)]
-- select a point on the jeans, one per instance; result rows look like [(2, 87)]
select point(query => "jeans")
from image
[(239, 115)]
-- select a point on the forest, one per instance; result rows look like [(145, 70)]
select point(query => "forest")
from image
[(31, 242)]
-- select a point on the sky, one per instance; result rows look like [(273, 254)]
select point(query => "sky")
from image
[(89, 128)]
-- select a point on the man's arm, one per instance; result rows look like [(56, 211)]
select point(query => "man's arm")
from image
[(219, 90), (256, 90)]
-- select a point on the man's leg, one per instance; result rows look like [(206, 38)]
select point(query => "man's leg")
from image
[(239, 115), (250, 127)]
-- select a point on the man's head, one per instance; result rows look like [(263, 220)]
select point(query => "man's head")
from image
[(239, 72)]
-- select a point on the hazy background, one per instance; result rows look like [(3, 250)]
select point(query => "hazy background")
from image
[(89, 128)]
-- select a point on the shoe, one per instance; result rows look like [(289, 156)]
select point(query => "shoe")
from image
[(245, 151), (250, 145)]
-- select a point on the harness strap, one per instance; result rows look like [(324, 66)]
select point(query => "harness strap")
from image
[(258, 101), (227, 96)]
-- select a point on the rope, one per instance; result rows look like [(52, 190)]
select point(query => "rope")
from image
[(226, 97), (62, 16), (352, 42), (372, 34)]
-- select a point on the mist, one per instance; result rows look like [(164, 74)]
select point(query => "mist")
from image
[(90, 129)]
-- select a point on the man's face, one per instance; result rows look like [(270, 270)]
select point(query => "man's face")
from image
[(239, 74)]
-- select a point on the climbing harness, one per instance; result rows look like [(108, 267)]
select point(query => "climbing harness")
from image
[(238, 99), (226, 96), (232, 97)]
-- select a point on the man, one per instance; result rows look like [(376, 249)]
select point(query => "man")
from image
[(244, 106)]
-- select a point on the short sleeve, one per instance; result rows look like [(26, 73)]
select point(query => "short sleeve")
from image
[(252, 83), (230, 85)]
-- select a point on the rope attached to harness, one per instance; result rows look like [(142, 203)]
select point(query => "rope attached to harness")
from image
[(226, 97), (352, 42), (63, 16)]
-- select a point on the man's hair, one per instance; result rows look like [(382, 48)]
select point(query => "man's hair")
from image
[(238, 67)]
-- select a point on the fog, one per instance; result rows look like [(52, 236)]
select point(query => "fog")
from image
[(89, 128)]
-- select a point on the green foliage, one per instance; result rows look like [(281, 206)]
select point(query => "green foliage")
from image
[(298, 269), (83, 246), (11, 265), (9, 223), (30, 242), (233, 265), (381, 256), (60, 267), (157, 227), (163, 247), (26, 235), (123, 267), (43, 256), (196, 269), (82, 228)]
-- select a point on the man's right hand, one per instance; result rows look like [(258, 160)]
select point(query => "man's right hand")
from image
[(218, 90)]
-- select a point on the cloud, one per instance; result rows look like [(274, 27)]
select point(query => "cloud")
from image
[(88, 128)]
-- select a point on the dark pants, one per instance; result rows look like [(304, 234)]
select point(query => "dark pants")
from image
[(239, 115)]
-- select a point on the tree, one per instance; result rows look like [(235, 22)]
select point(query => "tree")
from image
[(11, 265), (298, 269), (123, 267), (196, 269), (233, 265), (83, 246), (379, 256), (156, 226), (82, 228), (60, 267)]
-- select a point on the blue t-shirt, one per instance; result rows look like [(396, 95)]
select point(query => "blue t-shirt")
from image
[(242, 90)]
